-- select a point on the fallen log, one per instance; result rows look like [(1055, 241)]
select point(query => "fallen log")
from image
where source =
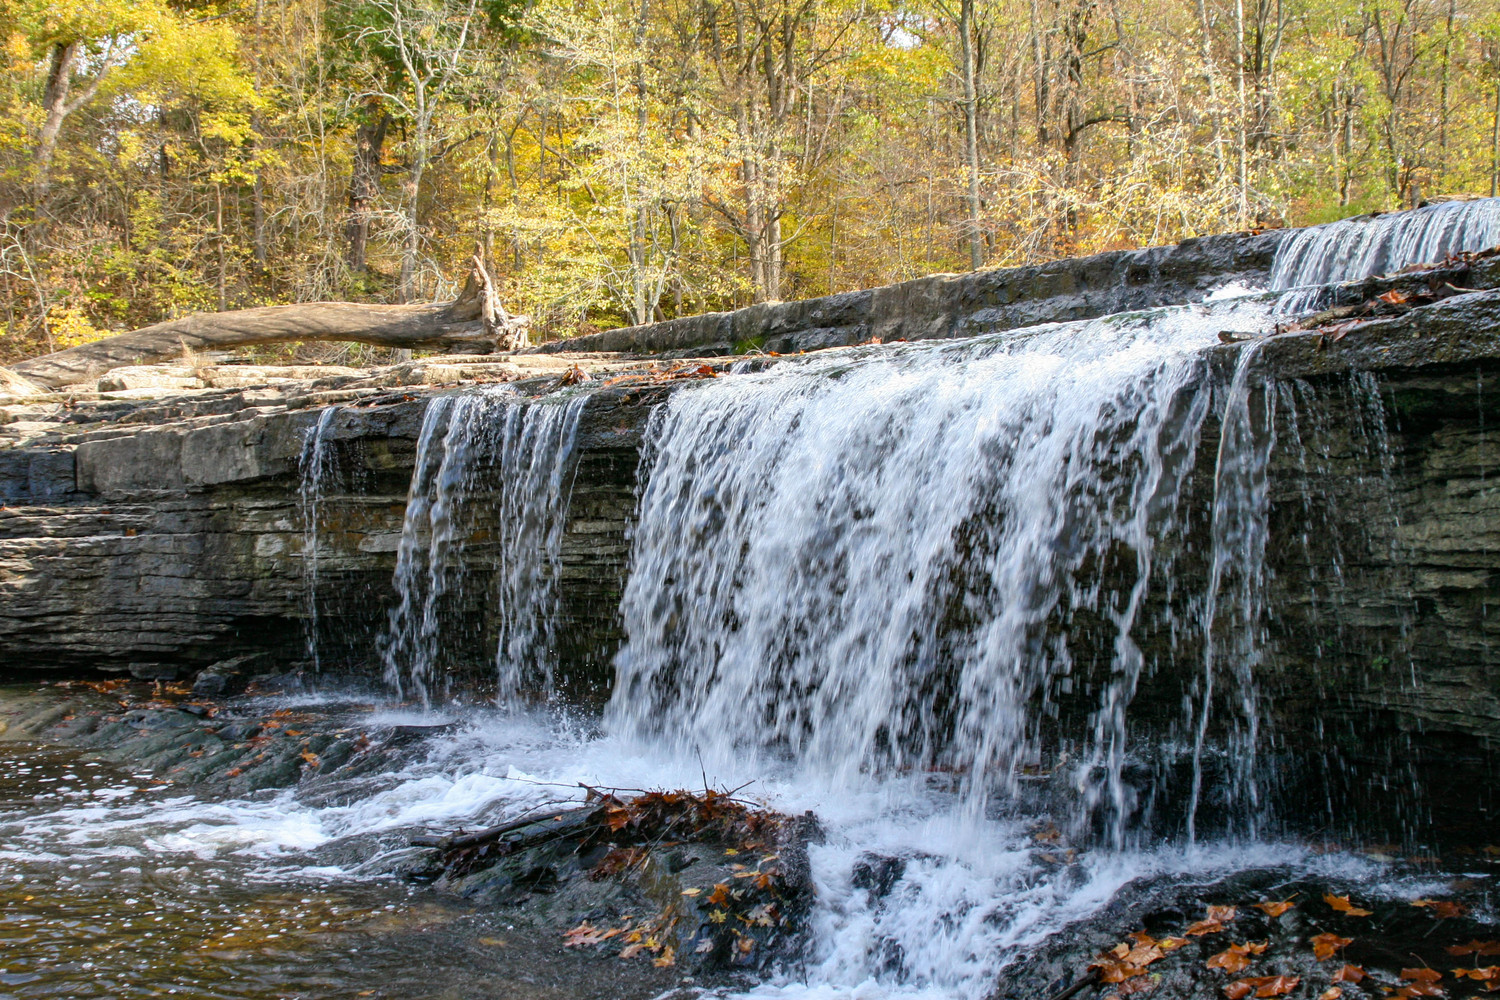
[(473, 323)]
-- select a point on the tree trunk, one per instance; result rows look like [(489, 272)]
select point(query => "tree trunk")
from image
[(971, 131), (364, 187), (55, 103), (473, 323)]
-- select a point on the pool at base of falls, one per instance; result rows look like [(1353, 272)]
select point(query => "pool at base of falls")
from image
[(116, 883)]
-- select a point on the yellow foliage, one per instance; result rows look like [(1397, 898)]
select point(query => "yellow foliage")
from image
[(68, 326)]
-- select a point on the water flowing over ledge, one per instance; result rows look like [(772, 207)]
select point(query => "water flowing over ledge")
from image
[(1042, 623)]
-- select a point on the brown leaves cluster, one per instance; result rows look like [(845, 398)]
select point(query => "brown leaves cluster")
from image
[(1489, 976), (1236, 957), (1486, 948), (1421, 982), (649, 938), (1214, 923), (1262, 986), (656, 816), (673, 374), (1127, 960)]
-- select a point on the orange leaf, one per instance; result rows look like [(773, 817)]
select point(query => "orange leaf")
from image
[(1171, 943), (1342, 905), (1275, 909), (1325, 946), (1332, 993), (1223, 914), (1203, 927), (1232, 959), (1395, 297), (1422, 975), (1239, 989), (1445, 909), (1475, 948), (1275, 986), (1349, 974)]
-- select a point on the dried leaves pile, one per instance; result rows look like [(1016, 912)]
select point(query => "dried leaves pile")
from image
[(1126, 966)]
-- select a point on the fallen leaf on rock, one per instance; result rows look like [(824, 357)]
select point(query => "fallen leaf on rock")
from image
[(1444, 909), (1475, 948), (1422, 975), (1171, 943), (1349, 974), (1489, 974), (667, 958), (1342, 905), (1275, 909), (1332, 993), (1112, 970), (1325, 946), (1261, 986), (691, 892), (1275, 986), (1395, 297), (586, 934), (1236, 957), (1223, 914), (1143, 955)]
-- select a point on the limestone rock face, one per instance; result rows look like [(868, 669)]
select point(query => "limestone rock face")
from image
[(150, 377)]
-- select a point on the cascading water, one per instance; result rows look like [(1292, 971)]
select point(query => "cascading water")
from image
[(317, 467), (868, 564), (1230, 609), (1356, 248), (523, 450)]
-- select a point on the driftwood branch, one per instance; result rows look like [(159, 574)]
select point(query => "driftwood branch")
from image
[(473, 323)]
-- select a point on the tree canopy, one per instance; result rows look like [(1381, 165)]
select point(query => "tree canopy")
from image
[(620, 162)]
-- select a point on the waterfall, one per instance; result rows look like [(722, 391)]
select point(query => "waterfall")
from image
[(870, 563), (469, 444), (1358, 248), (317, 467), (1230, 611), (537, 463)]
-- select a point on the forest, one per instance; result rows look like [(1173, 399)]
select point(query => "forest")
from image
[(623, 161)]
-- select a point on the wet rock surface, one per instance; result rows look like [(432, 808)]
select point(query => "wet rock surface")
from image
[(1270, 933), (695, 880)]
